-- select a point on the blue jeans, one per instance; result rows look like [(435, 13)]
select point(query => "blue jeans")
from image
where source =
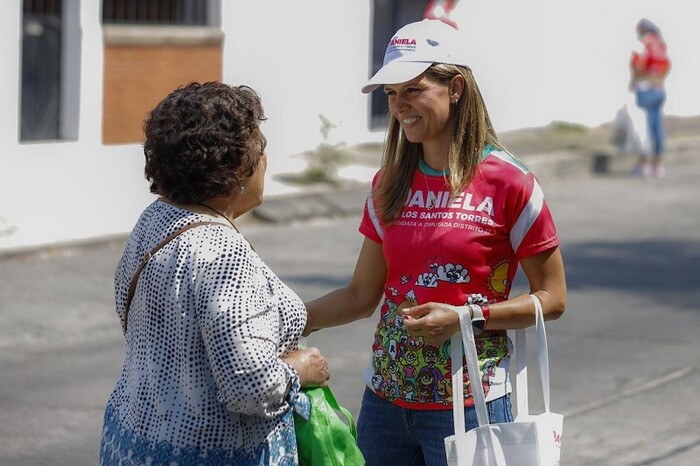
[(390, 435), (651, 101)]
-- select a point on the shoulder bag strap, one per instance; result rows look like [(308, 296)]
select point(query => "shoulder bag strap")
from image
[(151, 253)]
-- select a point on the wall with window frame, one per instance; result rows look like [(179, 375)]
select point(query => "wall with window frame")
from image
[(151, 48), (142, 64), (83, 189)]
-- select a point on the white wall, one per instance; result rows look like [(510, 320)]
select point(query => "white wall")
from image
[(63, 191), (10, 24), (304, 58), (543, 60), (536, 61)]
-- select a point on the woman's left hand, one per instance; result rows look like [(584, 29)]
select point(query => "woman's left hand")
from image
[(434, 322)]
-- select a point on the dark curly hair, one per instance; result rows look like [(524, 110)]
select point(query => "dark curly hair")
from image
[(203, 141)]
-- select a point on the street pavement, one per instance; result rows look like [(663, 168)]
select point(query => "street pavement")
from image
[(624, 357)]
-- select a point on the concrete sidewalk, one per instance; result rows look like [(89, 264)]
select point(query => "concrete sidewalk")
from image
[(550, 167), (319, 201)]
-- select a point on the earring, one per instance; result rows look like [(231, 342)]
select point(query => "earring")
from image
[(241, 189)]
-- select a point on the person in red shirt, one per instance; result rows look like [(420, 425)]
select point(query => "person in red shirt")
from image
[(649, 69), (450, 217)]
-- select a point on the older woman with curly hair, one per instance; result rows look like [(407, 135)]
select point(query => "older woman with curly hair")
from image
[(212, 367)]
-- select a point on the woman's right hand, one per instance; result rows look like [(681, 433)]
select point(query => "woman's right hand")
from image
[(311, 366)]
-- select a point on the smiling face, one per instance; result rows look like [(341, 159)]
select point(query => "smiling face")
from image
[(422, 107)]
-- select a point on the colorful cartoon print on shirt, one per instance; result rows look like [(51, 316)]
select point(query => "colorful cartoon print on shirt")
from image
[(430, 377), (498, 281), (490, 351), (477, 298), (392, 322), (410, 362), (488, 371), (406, 368), (439, 271)]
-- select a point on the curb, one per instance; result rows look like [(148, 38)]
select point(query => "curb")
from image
[(63, 248), (334, 202), (329, 203), (549, 167)]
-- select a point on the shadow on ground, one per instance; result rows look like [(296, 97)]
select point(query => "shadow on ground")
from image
[(666, 269)]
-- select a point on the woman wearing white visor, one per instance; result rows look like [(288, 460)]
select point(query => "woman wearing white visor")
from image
[(450, 217)]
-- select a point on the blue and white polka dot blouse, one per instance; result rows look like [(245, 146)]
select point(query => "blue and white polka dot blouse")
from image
[(203, 381)]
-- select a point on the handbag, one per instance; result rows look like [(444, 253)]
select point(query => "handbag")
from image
[(530, 439), (329, 436)]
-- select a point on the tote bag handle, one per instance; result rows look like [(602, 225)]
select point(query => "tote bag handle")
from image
[(465, 339), (521, 384), (460, 340)]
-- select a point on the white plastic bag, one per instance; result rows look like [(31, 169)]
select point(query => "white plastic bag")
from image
[(630, 129)]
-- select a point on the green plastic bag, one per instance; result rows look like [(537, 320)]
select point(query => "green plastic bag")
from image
[(329, 437)]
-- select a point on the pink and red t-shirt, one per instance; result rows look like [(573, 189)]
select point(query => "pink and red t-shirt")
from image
[(654, 59), (460, 251)]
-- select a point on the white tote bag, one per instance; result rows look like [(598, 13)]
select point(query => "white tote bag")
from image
[(531, 439)]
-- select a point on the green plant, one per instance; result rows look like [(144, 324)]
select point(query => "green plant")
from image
[(568, 127), (325, 159)]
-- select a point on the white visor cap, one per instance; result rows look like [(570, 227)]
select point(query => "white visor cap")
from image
[(414, 48)]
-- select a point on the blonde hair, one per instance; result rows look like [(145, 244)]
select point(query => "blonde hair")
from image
[(471, 132)]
